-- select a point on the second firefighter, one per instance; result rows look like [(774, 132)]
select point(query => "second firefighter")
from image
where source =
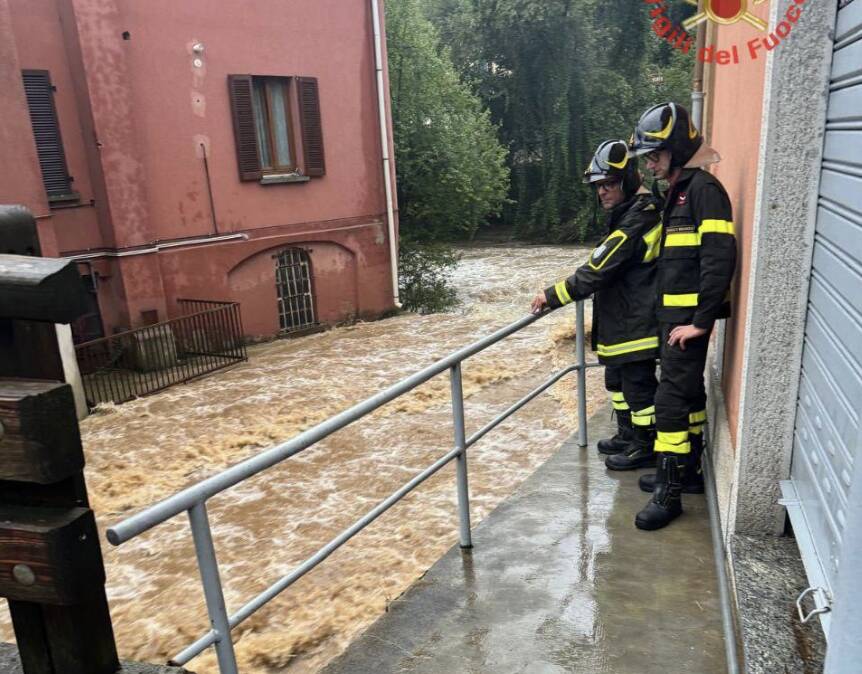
[(620, 274)]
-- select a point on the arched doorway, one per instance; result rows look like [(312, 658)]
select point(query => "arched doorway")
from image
[(295, 293)]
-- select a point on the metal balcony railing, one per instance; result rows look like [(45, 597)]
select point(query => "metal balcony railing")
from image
[(193, 499), (208, 336)]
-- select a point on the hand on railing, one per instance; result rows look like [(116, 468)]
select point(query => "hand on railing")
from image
[(539, 304)]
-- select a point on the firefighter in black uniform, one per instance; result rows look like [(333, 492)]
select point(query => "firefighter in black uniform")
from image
[(695, 267), (621, 274)]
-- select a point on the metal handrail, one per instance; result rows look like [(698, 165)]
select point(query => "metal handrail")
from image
[(193, 499)]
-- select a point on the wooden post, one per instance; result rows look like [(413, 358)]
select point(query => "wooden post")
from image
[(51, 568)]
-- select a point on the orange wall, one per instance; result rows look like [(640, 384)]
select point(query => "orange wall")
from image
[(735, 101)]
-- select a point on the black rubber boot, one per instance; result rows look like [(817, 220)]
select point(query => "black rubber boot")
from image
[(639, 454), (692, 474), (666, 504), (621, 441)]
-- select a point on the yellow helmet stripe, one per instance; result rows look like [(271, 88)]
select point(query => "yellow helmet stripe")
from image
[(665, 132), (619, 165)]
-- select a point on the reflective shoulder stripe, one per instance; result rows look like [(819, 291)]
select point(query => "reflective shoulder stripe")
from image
[(628, 347), (716, 227), (562, 293), (684, 300), (682, 239), (652, 239), (606, 250)]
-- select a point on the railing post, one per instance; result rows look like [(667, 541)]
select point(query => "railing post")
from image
[(580, 339), (466, 539), (208, 566)]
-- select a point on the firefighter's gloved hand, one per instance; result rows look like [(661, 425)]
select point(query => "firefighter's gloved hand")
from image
[(539, 303), (683, 333)]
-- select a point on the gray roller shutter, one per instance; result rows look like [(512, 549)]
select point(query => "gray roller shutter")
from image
[(827, 449)]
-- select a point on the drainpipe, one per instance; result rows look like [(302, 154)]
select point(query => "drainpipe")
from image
[(384, 146), (719, 552), (697, 79)]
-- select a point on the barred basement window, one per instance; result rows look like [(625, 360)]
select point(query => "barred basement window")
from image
[(46, 131), (293, 287), (266, 131)]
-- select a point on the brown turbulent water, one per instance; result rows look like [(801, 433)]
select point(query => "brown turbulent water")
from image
[(147, 449)]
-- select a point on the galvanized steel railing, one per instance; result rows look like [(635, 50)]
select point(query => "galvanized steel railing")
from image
[(193, 499)]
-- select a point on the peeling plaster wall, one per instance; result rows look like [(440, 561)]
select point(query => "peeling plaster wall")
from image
[(142, 98)]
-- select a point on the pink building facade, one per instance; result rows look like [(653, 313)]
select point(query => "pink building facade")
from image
[(222, 151)]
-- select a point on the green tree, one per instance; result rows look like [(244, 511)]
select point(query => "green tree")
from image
[(559, 76), (452, 172)]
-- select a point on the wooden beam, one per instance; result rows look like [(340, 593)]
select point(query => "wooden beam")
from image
[(39, 437), (41, 289)]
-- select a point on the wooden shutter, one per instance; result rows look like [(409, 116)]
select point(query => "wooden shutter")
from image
[(244, 130), (46, 131), (310, 126)]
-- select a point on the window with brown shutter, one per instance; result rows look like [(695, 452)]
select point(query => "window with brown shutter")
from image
[(46, 131), (265, 131), (312, 129)]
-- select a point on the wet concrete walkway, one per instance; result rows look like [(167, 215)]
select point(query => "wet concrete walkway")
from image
[(559, 581)]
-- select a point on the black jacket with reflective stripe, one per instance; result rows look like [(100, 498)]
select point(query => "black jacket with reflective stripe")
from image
[(698, 252), (621, 275)]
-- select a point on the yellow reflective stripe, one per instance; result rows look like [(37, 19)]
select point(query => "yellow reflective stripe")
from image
[(562, 293), (716, 227), (607, 255), (618, 401), (682, 239), (675, 442), (697, 417), (621, 164), (652, 239), (665, 132), (644, 417), (695, 430), (628, 347), (684, 300)]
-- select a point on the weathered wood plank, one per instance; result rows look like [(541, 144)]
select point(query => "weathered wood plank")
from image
[(41, 289), (39, 436), (49, 555)]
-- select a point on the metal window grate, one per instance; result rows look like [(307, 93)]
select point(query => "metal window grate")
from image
[(293, 284)]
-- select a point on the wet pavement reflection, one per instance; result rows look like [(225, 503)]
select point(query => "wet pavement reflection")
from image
[(560, 581)]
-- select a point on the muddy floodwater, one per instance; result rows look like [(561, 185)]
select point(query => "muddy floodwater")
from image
[(147, 449)]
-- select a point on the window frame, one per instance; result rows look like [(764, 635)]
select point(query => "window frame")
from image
[(305, 129), (288, 94)]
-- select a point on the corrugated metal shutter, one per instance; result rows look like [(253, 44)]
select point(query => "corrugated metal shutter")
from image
[(46, 130), (828, 425)]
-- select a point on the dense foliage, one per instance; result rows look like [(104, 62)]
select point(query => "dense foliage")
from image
[(452, 174), (497, 106), (559, 76), (424, 270)]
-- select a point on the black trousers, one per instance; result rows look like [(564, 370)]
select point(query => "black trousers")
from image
[(680, 401), (635, 380)]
